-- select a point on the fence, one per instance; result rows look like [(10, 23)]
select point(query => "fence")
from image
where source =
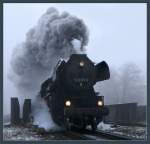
[(126, 114)]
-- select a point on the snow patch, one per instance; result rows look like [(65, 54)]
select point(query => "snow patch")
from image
[(103, 126)]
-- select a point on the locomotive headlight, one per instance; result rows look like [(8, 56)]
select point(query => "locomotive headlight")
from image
[(68, 103), (100, 103), (81, 63)]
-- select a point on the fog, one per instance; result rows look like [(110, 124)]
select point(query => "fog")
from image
[(117, 34), (126, 85)]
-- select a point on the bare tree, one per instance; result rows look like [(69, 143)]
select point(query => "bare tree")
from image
[(126, 84), (133, 85)]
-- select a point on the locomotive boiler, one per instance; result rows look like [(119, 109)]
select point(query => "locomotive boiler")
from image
[(70, 94)]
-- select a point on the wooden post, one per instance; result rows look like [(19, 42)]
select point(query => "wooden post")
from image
[(15, 111), (27, 111)]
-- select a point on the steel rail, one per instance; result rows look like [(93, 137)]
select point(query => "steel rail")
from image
[(112, 136), (103, 135)]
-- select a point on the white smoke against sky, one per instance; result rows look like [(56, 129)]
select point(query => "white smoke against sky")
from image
[(56, 36), (77, 45)]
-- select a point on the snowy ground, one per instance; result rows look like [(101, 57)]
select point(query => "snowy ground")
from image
[(135, 132), (18, 133)]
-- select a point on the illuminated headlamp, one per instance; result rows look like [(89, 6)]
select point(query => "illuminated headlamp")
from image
[(100, 103), (68, 103), (81, 64)]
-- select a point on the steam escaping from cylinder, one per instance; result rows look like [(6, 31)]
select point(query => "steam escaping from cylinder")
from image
[(42, 116), (56, 36)]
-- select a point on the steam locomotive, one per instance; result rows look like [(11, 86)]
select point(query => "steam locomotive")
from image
[(70, 95)]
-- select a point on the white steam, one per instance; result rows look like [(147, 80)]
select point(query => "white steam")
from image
[(42, 116), (77, 44), (54, 37)]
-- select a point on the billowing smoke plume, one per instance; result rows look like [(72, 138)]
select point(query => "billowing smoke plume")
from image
[(56, 36), (52, 38)]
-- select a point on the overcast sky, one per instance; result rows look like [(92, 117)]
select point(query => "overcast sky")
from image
[(117, 32)]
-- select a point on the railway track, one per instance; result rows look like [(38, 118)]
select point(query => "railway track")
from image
[(65, 135), (85, 135), (105, 135), (101, 135), (111, 136), (77, 134)]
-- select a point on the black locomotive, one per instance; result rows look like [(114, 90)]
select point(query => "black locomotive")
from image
[(70, 95)]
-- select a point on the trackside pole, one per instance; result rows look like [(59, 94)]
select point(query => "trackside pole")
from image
[(15, 111), (27, 111)]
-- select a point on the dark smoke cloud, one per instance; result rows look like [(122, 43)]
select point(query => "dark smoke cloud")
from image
[(47, 42)]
